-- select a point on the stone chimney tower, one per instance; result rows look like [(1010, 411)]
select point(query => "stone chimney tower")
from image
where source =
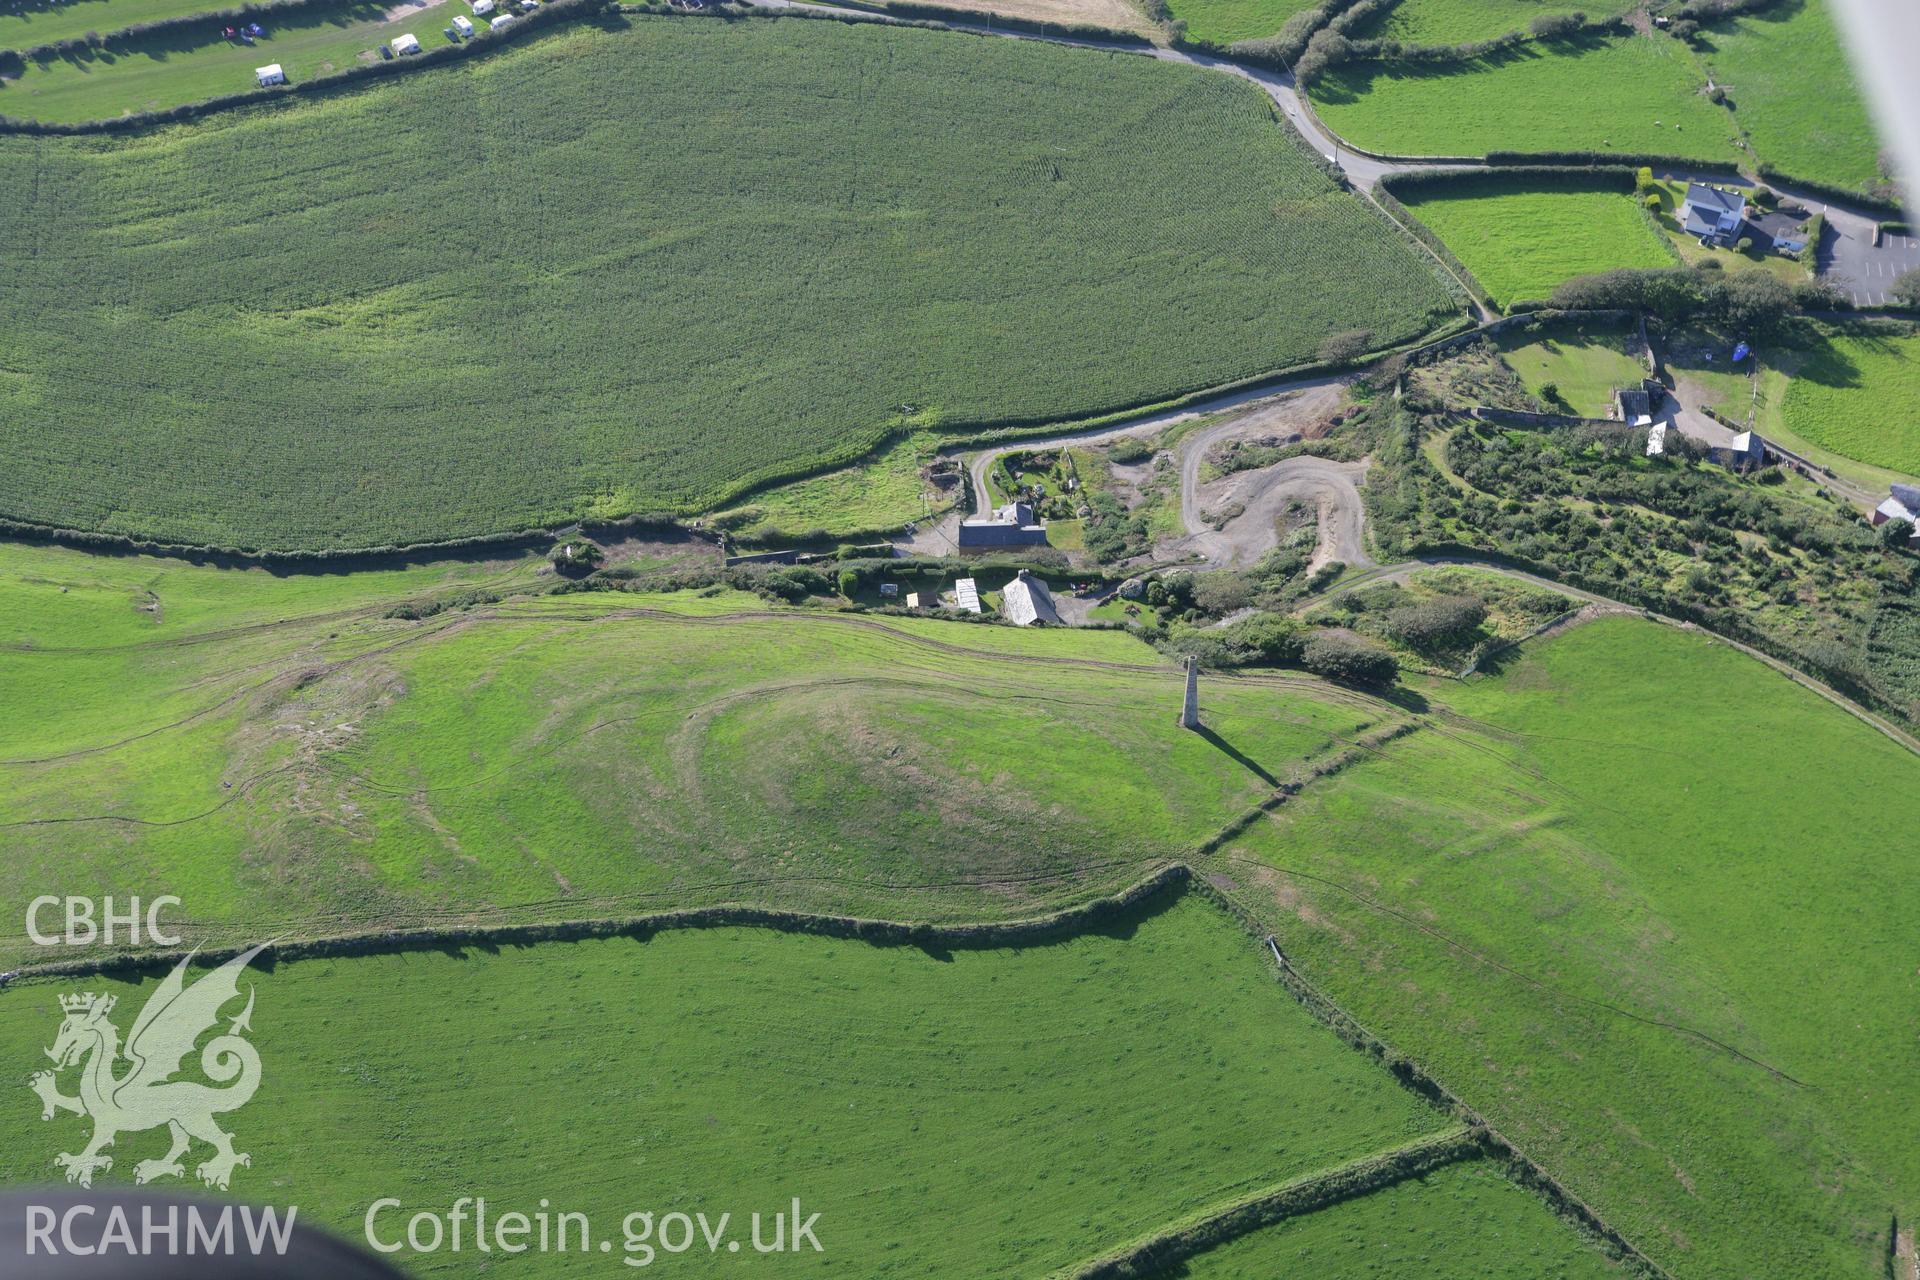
[(1190, 710)]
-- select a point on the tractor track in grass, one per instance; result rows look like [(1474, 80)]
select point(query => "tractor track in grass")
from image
[(296, 671), (1480, 957)]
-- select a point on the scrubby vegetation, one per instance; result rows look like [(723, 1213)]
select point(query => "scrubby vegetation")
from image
[(1769, 559), (351, 372)]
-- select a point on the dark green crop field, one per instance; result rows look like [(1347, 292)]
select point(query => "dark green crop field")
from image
[(640, 269)]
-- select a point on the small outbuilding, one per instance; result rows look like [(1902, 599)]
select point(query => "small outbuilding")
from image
[(1746, 452), (1657, 440), (1903, 503), (272, 73), (966, 595), (1634, 405), (463, 24), (913, 599), (406, 44), (1026, 600)]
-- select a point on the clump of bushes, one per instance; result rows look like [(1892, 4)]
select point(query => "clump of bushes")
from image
[(1348, 659), (575, 557), (1749, 302), (1432, 623)]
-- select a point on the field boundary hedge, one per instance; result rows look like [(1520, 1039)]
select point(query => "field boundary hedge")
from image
[(1169, 881), (1159, 1253), (1279, 380), (955, 439), (121, 36), (558, 11), (1521, 1168)]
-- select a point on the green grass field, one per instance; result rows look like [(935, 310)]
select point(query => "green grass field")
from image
[(169, 71), (28, 25), (1574, 870), (991, 1112), (1225, 21), (1521, 243), (319, 765), (1646, 843), (1858, 394), (1584, 363), (1630, 94), (329, 352), (1464, 1222), (1456, 21), (1794, 93), (884, 492)]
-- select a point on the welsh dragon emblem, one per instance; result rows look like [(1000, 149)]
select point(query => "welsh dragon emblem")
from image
[(145, 1096)]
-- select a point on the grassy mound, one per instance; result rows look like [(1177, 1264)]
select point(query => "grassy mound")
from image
[(328, 768), (1582, 363), (567, 280), (1521, 243), (973, 1112), (1646, 914)]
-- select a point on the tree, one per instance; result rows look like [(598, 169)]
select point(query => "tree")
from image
[(1435, 622), (849, 582), (1896, 535), (1345, 348), (1906, 289), (1327, 49), (575, 557), (1348, 659)]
